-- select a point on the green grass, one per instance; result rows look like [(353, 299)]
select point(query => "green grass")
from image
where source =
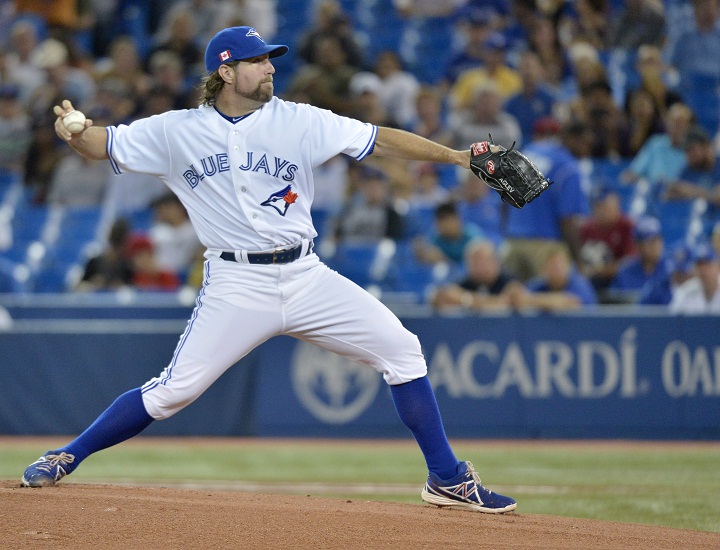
[(673, 485)]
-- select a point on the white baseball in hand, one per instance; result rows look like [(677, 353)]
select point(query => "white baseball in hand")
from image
[(74, 121)]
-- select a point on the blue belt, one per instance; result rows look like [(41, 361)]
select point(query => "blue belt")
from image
[(279, 256)]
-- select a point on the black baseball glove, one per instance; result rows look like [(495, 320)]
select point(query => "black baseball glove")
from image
[(508, 172)]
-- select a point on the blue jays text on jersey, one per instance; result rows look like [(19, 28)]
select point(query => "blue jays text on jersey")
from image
[(214, 164)]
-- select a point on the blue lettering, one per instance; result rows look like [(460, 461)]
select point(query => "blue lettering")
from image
[(247, 166), (192, 177), (209, 171), (222, 160), (290, 176), (279, 165), (262, 164)]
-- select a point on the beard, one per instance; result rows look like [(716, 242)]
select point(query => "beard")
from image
[(260, 94)]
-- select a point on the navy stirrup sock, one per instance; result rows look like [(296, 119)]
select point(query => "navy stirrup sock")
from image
[(124, 419), (416, 405)]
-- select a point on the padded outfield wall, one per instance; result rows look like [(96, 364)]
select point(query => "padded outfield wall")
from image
[(633, 374)]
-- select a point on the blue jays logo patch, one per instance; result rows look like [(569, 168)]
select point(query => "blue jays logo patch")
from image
[(281, 200)]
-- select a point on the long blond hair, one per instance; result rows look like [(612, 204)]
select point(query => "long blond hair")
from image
[(211, 86)]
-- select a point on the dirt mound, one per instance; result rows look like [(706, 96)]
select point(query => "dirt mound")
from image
[(81, 516)]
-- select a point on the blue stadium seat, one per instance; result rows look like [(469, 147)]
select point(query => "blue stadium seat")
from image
[(354, 260), (675, 219)]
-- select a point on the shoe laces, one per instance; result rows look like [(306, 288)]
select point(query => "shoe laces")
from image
[(63, 459), (476, 477)]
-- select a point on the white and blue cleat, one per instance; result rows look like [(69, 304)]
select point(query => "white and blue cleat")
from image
[(465, 491), (47, 470)]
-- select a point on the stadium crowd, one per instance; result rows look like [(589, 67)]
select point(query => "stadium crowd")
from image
[(618, 103)]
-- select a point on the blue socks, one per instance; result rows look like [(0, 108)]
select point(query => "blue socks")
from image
[(124, 419), (416, 405), (414, 401)]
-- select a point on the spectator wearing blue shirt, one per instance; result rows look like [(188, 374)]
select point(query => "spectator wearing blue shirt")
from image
[(555, 216), (535, 100), (659, 290), (700, 179), (561, 287), (481, 206), (649, 263), (662, 157), (478, 28), (447, 240), (697, 50)]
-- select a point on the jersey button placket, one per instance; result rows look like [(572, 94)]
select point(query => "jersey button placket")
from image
[(240, 179)]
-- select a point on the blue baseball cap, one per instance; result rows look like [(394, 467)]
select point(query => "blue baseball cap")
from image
[(236, 43), (681, 259), (704, 252), (647, 228)]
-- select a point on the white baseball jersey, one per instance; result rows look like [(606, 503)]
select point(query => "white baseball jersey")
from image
[(246, 185), (690, 298)]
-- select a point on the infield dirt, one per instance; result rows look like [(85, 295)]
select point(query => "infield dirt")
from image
[(84, 516)]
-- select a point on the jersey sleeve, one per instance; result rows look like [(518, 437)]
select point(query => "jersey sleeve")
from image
[(331, 134), (139, 147)]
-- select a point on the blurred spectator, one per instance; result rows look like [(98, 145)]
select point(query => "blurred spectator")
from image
[(430, 122), (700, 294), (207, 14), (64, 18), (183, 41), (63, 80), (173, 237), (370, 215), (480, 206), (696, 51), (662, 157), (535, 100), (446, 241), (331, 185), (365, 101), (643, 120), (659, 290), (18, 67), (606, 239), (330, 21), (636, 271), (425, 190), (595, 106), (485, 286), (638, 22), (715, 237), (398, 89), (700, 179), (555, 216), (167, 72), (656, 78), (112, 268), (260, 14), (560, 287), (495, 70), (124, 64), (78, 181), (586, 21), (115, 101), (325, 83), (484, 116), (477, 28), (147, 274), (42, 157), (426, 8), (15, 132), (544, 41)]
